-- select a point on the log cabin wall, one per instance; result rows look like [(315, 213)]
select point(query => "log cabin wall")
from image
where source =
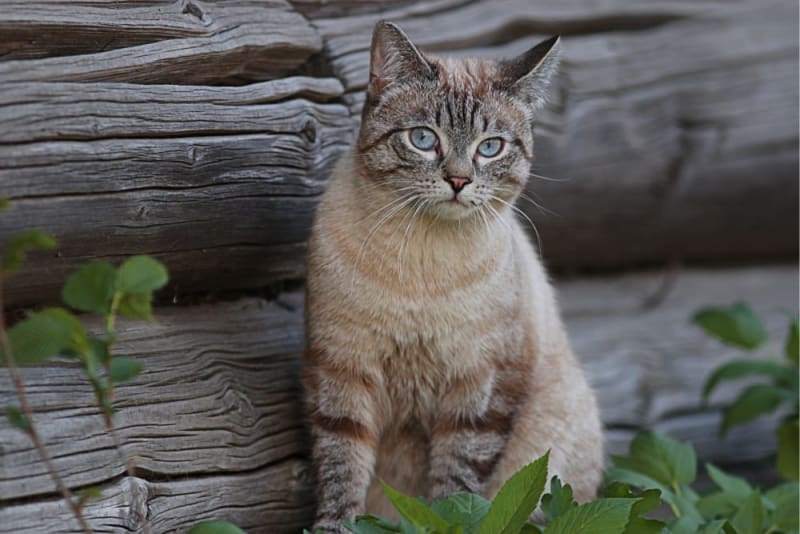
[(202, 133)]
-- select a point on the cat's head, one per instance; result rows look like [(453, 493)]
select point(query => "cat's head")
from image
[(455, 135)]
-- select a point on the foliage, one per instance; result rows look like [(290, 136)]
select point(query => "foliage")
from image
[(509, 513), (97, 288), (738, 326)]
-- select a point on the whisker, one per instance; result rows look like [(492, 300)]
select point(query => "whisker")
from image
[(535, 230), (400, 256)]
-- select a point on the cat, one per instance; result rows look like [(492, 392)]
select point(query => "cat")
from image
[(436, 358)]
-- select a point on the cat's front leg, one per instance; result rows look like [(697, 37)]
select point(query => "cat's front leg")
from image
[(471, 432), (340, 406)]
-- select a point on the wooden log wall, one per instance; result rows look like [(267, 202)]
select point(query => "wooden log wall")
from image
[(203, 132), (214, 422)]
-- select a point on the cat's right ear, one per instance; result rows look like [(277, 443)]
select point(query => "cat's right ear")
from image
[(393, 60)]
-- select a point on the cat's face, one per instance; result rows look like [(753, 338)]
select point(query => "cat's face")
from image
[(450, 137)]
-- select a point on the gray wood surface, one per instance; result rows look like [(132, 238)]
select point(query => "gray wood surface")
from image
[(182, 42), (671, 134), (188, 174), (214, 422)]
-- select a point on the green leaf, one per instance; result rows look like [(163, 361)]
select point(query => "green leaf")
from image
[(371, 524), (99, 351), (609, 516), (18, 419), (735, 486), (141, 274), (749, 519), (5, 204), (46, 334), (735, 325), (517, 499), (685, 525), (91, 287), (648, 501), (787, 449), (215, 527), (784, 499), (755, 401), (527, 528), (714, 527), (136, 306), (19, 245), (123, 369), (741, 368), (661, 458), (415, 512), (792, 348), (464, 509), (558, 501)]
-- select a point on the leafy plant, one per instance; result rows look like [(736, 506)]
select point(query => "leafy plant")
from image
[(97, 288), (465, 513), (734, 506), (738, 326)]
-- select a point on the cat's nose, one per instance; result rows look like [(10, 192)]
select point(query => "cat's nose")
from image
[(458, 182)]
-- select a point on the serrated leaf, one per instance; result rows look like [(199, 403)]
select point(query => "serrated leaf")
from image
[(136, 306), (609, 516), (414, 511), (733, 485), (662, 458), (558, 501), (718, 504), (123, 369), (18, 419), (647, 501), (44, 335), (784, 499), (786, 463), (792, 348), (744, 368), (517, 499), (757, 400), (464, 509), (735, 325), (216, 527), (19, 245), (749, 519), (141, 274), (91, 287)]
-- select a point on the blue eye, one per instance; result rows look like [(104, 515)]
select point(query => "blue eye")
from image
[(491, 147), (423, 138)]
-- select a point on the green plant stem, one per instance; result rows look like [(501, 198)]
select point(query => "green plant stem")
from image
[(126, 461), (32, 432)]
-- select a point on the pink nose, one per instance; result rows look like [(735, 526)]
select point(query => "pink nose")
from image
[(458, 182)]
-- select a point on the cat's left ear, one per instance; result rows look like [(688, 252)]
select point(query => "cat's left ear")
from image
[(529, 74)]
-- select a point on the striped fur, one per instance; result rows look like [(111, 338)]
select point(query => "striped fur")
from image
[(437, 359)]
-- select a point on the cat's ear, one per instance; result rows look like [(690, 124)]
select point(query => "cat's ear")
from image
[(393, 59), (529, 74)]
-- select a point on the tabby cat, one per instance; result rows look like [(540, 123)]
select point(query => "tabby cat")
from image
[(437, 359)]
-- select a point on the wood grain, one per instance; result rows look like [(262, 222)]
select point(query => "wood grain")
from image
[(220, 186), (667, 119), (214, 422), (182, 42)]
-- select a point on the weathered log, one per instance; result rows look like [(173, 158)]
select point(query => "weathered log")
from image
[(219, 183), (185, 42), (214, 423), (678, 142)]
